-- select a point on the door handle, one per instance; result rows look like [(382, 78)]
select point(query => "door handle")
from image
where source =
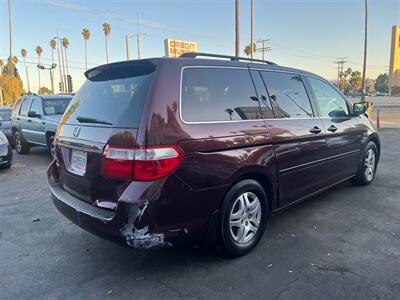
[(315, 130), (29, 121), (18, 118), (332, 128)]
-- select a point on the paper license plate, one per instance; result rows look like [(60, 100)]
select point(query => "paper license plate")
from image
[(78, 162)]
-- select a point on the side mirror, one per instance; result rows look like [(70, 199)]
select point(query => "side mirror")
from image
[(359, 109), (33, 114)]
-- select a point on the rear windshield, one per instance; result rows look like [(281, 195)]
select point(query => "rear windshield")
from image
[(5, 115), (117, 102), (55, 106)]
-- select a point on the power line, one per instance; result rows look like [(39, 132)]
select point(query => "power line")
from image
[(263, 49), (340, 65)]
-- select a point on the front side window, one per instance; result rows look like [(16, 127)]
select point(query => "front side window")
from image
[(218, 94), (25, 107), (330, 103), (35, 106), (288, 96)]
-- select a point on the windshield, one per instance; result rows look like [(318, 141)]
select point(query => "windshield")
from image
[(5, 115), (55, 106), (118, 102)]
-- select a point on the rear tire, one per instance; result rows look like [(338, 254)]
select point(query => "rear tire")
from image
[(368, 164), (243, 218), (50, 147), (21, 145)]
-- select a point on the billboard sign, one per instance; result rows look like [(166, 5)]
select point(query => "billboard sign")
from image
[(174, 48)]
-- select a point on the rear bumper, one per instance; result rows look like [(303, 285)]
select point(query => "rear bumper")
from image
[(144, 217)]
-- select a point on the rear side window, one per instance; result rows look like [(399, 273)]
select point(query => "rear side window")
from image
[(24, 107), (288, 96), (116, 102), (218, 94), (55, 106)]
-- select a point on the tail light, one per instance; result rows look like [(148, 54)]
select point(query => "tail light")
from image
[(141, 164)]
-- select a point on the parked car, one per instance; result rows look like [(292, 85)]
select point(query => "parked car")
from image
[(5, 152), (157, 152), (5, 122), (35, 119)]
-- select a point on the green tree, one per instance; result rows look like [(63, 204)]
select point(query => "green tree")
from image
[(45, 90), (86, 37), (382, 83), (107, 31), (355, 81), (7, 82)]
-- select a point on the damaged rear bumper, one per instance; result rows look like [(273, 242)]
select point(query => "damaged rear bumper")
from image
[(120, 226)]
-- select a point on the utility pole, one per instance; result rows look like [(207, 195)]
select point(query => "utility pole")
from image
[(137, 35), (365, 52), (340, 65), (263, 49), (61, 66), (11, 61), (127, 47), (252, 29), (237, 28)]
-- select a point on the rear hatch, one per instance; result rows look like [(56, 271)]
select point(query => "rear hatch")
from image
[(106, 110)]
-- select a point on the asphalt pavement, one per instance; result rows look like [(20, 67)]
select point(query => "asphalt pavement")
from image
[(343, 244)]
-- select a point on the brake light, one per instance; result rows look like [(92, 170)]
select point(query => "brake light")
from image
[(141, 164)]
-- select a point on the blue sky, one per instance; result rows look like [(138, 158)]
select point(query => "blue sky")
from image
[(306, 34)]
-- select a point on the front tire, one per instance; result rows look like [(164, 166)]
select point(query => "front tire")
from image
[(21, 145), (369, 162), (243, 218)]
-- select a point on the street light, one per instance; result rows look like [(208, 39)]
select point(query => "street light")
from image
[(51, 68)]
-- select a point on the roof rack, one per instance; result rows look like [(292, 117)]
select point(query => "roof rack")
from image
[(232, 58)]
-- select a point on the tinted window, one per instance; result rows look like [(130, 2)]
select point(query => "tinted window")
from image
[(118, 101), (266, 109), (35, 106), (218, 94), (5, 114), (288, 95), (25, 107), (330, 103), (55, 106)]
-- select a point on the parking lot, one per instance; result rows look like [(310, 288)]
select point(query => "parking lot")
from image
[(342, 244)]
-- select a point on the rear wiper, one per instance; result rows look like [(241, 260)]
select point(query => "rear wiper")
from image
[(91, 120)]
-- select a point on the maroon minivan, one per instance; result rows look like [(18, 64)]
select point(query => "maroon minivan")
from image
[(157, 152)]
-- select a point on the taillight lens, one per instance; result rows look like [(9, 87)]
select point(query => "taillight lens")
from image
[(141, 164)]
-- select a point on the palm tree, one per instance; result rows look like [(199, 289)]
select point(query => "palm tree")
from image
[(65, 44), (107, 31), (39, 52), (23, 54), (53, 45), (86, 37)]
